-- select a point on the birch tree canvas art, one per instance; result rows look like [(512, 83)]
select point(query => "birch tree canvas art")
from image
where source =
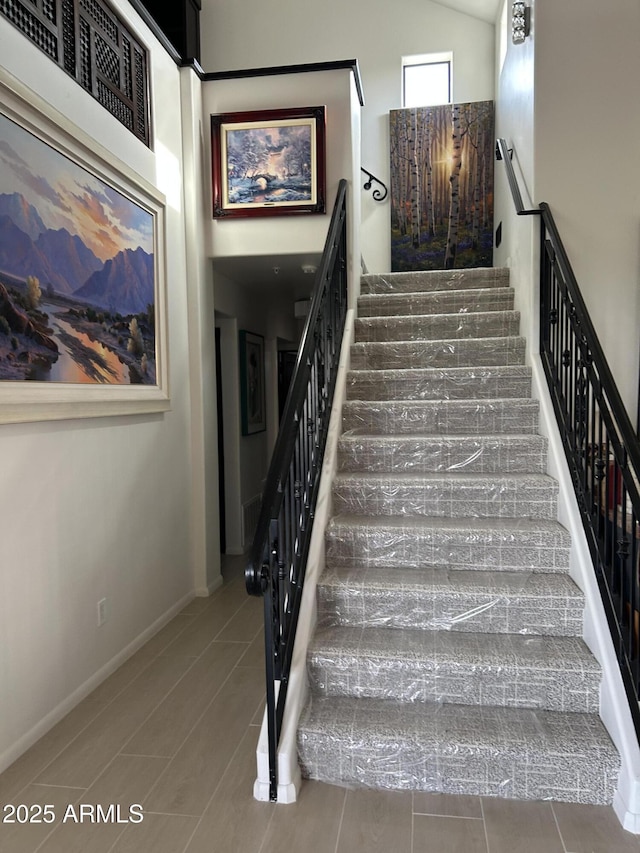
[(442, 186)]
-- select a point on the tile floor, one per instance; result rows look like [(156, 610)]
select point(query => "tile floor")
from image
[(175, 729)]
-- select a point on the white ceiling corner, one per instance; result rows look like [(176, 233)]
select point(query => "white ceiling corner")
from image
[(485, 10)]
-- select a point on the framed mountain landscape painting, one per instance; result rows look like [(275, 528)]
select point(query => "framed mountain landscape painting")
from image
[(82, 302)]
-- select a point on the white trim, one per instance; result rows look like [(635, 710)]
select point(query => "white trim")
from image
[(442, 58), (205, 592), (614, 705)]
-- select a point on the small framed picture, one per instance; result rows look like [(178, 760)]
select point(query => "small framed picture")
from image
[(252, 396)]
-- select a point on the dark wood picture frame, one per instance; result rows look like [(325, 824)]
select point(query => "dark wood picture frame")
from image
[(268, 162)]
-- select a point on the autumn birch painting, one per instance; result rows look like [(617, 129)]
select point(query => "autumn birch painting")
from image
[(442, 186)]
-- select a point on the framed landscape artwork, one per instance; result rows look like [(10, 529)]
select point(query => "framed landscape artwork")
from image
[(82, 301), (268, 163)]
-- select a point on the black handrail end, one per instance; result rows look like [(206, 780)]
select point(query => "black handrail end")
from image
[(254, 582)]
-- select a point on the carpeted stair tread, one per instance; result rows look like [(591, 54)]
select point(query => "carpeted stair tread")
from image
[(515, 670), (474, 543), (438, 326), (430, 280), (510, 453), (455, 749), (462, 352), (440, 417), (440, 382), (446, 495), (470, 300), (438, 599)]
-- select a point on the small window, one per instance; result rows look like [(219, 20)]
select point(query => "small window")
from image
[(426, 80)]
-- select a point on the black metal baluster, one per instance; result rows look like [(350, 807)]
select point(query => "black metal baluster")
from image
[(634, 602), (624, 555)]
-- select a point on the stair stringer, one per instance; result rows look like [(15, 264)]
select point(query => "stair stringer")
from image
[(287, 755), (614, 704)]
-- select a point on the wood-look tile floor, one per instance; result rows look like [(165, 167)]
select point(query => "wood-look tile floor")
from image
[(174, 729)]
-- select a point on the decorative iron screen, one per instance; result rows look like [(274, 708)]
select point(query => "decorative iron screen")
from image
[(91, 44)]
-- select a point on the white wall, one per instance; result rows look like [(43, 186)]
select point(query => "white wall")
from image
[(205, 509), (567, 103), (295, 234), (587, 127), (377, 35), (255, 305), (98, 507), (553, 108), (515, 122), (246, 457)]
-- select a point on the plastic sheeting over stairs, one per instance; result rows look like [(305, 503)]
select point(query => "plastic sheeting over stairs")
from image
[(448, 654)]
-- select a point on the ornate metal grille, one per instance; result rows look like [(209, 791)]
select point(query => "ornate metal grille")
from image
[(33, 24), (91, 44)]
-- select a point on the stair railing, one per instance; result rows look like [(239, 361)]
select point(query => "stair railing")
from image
[(278, 557), (601, 447)]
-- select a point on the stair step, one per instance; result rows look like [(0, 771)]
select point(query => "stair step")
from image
[(483, 324), (465, 543), (506, 670), (465, 352), (439, 383), (439, 302), (436, 599), (427, 281), (442, 417), (455, 749), (452, 495), (479, 454)]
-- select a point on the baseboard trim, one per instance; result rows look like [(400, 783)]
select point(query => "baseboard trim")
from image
[(60, 711), (206, 591)]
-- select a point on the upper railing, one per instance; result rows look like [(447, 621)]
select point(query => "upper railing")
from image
[(278, 558), (602, 449), (506, 154)]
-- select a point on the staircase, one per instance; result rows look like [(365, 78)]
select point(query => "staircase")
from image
[(448, 654)]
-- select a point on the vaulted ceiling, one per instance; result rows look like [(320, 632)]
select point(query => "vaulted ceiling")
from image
[(486, 10)]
